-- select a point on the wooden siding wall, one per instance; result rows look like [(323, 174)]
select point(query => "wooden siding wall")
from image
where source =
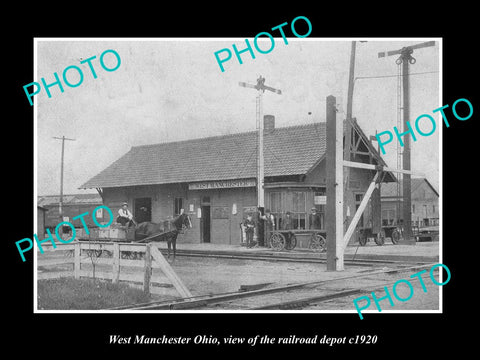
[(225, 228)]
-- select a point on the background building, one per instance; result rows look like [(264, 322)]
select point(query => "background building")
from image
[(425, 210), (73, 205)]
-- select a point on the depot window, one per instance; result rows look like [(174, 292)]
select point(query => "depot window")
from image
[(276, 207), (178, 206), (299, 209)]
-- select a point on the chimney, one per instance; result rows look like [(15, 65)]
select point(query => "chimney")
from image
[(268, 123)]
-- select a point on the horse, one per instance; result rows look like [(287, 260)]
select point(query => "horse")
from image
[(172, 227)]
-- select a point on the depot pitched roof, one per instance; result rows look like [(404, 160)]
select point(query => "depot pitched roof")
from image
[(292, 150)]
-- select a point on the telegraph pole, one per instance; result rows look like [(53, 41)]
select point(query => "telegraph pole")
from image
[(260, 87), (347, 146), (60, 203), (351, 81), (405, 59)]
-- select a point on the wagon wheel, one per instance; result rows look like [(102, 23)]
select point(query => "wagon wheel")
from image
[(380, 238), (277, 241), (395, 236), (362, 238), (290, 245), (317, 243)]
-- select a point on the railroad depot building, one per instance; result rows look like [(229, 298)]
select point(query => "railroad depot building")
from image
[(214, 179)]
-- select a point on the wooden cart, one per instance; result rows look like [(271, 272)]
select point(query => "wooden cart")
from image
[(390, 231), (286, 239)]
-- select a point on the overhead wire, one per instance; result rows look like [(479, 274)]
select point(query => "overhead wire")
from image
[(388, 76)]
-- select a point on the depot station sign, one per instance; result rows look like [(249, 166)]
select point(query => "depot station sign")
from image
[(222, 184)]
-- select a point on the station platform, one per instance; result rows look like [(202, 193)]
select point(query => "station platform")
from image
[(420, 252)]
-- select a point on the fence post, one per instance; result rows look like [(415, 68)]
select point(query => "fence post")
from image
[(116, 263), (76, 264), (147, 269)]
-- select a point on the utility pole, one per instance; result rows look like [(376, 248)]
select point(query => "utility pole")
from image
[(351, 81), (405, 59), (347, 146), (60, 203)]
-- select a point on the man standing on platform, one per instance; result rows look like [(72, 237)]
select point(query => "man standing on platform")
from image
[(314, 219), (269, 224), (287, 224), (249, 230)]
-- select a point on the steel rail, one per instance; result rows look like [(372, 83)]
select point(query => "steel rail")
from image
[(285, 258), (203, 301)]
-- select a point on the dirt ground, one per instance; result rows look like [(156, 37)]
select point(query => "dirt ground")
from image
[(210, 276), (204, 276)]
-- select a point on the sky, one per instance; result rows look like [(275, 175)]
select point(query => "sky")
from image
[(173, 89)]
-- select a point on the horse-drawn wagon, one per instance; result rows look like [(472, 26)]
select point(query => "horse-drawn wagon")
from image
[(167, 230)]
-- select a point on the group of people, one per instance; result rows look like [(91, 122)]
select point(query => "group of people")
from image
[(125, 218), (314, 222), (250, 225)]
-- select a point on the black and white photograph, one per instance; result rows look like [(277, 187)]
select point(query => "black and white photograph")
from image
[(207, 183), (204, 183)]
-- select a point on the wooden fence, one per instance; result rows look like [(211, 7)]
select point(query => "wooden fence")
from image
[(106, 260)]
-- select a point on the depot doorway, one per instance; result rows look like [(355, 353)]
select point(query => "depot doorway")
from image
[(205, 224), (142, 209)]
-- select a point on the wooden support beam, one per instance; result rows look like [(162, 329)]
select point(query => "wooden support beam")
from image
[(334, 210), (379, 168), (359, 211), (169, 272), (357, 152), (357, 144)]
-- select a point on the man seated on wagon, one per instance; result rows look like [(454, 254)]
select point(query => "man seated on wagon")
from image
[(125, 217)]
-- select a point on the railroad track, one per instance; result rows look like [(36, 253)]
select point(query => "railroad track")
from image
[(306, 257), (294, 296)]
